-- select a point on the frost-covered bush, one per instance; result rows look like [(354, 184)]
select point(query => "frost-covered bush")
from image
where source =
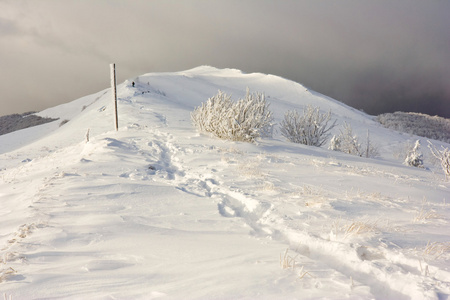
[(243, 120), (443, 155), (370, 150), (414, 156), (433, 127), (348, 142), (311, 128), (335, 143)]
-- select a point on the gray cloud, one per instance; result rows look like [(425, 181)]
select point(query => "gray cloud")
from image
[(7, 28), (375, 55)]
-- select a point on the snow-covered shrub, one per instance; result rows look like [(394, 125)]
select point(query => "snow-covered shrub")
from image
[(371, 150), (244, 120), (414, 157), (310, 129), (443, 155), (346, 142), (335, 143), (349, 143)]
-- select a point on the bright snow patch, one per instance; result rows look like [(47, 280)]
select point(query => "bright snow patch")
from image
[(157, 210)]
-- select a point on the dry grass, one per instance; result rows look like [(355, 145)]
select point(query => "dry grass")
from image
[(289, 262), (424, 214), (359, 227), (268, 186), (10, 256), (354, 227), (436, 249), (5, 273), (311, 191), (302, 273)]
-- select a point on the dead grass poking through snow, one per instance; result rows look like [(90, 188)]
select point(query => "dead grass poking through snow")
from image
[(424, 214), (5, 273), (11, 256), (302, 273), (359, 227), (354, 228), (436, 249), (289, 262)]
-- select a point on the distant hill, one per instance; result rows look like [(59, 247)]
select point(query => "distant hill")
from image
[(433, 127), (14, 122)]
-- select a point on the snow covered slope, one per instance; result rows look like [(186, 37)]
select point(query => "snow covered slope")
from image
[(156, 210)]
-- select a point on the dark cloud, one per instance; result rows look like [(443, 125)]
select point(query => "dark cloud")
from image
[(375, 55)]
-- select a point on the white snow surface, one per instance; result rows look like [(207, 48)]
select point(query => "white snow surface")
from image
[(157, 210)]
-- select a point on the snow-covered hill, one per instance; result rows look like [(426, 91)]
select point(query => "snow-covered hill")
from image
[(157, 210)]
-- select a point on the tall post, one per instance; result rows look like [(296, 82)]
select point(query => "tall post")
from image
[(114, 93), (368, 144)]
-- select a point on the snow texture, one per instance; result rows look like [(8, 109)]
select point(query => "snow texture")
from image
[(158, 210)]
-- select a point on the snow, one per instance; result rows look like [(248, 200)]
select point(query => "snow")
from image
[(157, 210)]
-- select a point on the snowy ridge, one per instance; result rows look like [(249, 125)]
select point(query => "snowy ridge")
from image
[(157, 210)]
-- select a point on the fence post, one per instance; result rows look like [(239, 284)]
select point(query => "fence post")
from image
[(112, 68)]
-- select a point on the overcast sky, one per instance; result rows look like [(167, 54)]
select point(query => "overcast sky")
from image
[(377, 55)]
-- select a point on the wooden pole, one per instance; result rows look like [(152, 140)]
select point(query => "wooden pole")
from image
[(368, 144), (114, 93)]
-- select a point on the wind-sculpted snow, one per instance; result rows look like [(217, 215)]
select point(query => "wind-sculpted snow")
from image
[(159, 210)]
